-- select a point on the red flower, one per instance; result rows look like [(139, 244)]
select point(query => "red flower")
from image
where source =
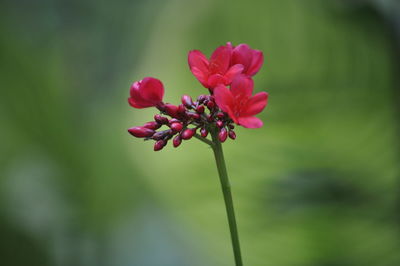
[(217, 70), (147, 92), (238, 103), (251, 59)]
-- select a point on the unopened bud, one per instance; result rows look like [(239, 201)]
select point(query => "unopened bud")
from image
[(177, 141), (161, 134), (161, 106), (188, 133), (203, 132), (220, 115), (201, 98), (161, 119), (159, 144), (232, 134), (181, 110), (231, 126), (219, 123), (187, 101), (210, 105), (192, 115), (200, 109), (176, 126), (141, 132), (171, 110), (152, 125), (222, 135)]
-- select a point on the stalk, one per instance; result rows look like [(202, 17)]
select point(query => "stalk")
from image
[(226, 190)]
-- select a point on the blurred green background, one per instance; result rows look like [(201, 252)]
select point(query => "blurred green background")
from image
[(318, 185)]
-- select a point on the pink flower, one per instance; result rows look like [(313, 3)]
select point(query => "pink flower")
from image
[(217, 70), (239, 103), (147, 92), (251, 59)]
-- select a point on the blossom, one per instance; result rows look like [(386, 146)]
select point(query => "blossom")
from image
[(147, 92), (239, 103), (228, 76), (250, 59), (217, 70)]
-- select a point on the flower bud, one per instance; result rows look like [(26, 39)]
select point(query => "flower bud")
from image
[(161, 134), (177, 141), (201, 98), (220, 115), (161, 119), (232, 134), (161, 107), (152, 125), (192, 115), (176, 126), (187, 101), (200, 109), (181, 110), (171, 110), (188, 133), (222, 135), (159, 144), (231, 126), (204, 132), (219, 123), (141, 132), (210, 105)]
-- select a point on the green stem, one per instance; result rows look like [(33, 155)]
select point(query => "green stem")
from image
[(206, 141), (226, 190)]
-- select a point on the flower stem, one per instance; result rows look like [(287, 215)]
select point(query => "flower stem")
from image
[(206, 141), (226, 190)]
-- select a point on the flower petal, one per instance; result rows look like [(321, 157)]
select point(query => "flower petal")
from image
[(224, 99), (256, 63), (134, 103), (134, 90), (201, 76), (241, 54), (220, 60), (199, 60), (242, 86), (233, 72), (198, 64), (255, 104), (250, 122), (215, 80), (136, 100), (152, 90)]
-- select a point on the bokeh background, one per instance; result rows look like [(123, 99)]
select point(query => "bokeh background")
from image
[(318, 185)]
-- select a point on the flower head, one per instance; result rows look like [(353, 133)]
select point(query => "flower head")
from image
[(147, 92), (239, 103), (217, 70), (228, 76), (250, 59)]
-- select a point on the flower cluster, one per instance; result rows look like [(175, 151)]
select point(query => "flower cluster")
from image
[(228, 77)]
